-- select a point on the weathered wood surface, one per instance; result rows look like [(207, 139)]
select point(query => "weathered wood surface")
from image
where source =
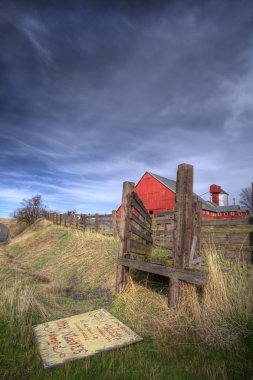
[(183, 215), (139, 207), (165, 221), (140, 222), (193, 250), (183, 228), (122, 271), (227, 222), (137, 246), (140, 233), (192, 276), (196, 226)]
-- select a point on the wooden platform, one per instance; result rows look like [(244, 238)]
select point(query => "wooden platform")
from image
[(193, 276)]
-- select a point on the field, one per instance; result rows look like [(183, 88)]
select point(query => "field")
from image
[(49, 272)]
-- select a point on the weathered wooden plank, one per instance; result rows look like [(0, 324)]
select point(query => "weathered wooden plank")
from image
[(137, 244), (140, 203), (141, 233), (196, 277), (183, 215), (197, 223), (164, 233), (165, 214), (227, 222), (165, 221), (193, 249), (142, 212), (122, 271), (174, 292), (183, 227), (140, 222)]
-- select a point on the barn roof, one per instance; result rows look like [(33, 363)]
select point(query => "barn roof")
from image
[(170, 184)]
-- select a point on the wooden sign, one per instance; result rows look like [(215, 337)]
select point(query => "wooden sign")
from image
[(80, 336)]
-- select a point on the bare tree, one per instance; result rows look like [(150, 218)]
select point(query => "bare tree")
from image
[(246, 198), (32, 209)]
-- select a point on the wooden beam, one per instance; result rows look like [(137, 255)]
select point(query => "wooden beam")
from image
[(193, 249), (197, 223), (183, 227), (141, 211), (183, 215), (196, 277), (140, 233), (122, 271), (140, 203), (140, 222)]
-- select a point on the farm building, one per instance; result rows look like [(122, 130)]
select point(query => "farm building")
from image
[(158, 195)]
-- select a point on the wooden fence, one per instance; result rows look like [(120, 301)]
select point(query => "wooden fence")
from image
[(232, 239), (106, 224)]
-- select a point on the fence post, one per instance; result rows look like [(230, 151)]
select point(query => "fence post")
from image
[(114, 224), (122, 271), (84, 222), (252, 198), (183, 227), (96, 222), (196, 226)]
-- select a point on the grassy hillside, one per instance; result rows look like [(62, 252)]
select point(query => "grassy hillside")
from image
[(49, 272)]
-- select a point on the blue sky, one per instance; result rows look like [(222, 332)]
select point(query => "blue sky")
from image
[(94, 93)]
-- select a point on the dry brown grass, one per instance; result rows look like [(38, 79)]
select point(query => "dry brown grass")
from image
[(20, 301), (217, 317)]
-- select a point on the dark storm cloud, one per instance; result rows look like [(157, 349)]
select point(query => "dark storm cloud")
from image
[(94, 93)]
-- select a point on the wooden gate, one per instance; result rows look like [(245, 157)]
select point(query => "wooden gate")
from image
[(135, 232)]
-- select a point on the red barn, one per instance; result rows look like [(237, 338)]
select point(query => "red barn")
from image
[(158, 195)]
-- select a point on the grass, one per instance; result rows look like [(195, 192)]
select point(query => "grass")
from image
[(43, 269)]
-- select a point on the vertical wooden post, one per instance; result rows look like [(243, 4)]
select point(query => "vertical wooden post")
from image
[(114, 223), (183, 227), (96, 222), (197, 224), (84, 222), (122, 271), (252, 198)]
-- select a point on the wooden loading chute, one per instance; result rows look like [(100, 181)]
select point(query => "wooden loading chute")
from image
[(136, 238)]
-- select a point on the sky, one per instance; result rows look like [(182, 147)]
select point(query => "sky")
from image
[(94, 93)]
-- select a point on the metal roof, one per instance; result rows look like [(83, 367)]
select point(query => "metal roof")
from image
[(206, 205), (169, 183)]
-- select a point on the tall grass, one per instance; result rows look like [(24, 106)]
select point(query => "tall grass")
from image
[(21, 305), (218, 316)]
